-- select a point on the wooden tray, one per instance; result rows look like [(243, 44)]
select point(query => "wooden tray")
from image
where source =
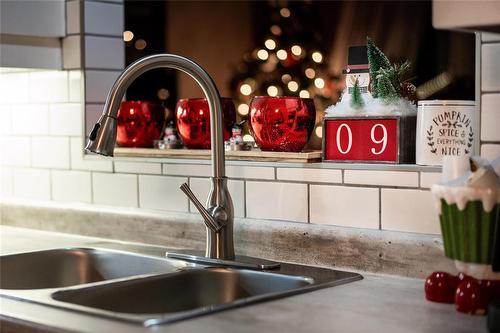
[(250, 155)]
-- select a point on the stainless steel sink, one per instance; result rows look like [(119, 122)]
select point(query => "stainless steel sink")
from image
[(149, 290), (67, 267), (176, 296)]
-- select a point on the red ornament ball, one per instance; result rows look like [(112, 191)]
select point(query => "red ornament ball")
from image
[(440, 287), (469, 298)]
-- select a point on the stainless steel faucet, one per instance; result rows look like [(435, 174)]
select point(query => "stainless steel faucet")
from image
[(218, 216)]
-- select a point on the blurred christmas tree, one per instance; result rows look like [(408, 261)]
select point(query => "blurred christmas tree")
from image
[(289, 60)]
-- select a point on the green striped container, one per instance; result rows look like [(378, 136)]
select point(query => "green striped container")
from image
[(469, 234)]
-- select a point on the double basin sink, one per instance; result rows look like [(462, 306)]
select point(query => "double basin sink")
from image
[(148, 290)]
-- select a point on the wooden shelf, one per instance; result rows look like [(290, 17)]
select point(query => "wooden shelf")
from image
[(250, 155)]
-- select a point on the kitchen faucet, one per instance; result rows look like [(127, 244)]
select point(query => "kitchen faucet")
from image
[(218, 216)]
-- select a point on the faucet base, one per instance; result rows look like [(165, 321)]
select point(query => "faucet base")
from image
[(238, 262)]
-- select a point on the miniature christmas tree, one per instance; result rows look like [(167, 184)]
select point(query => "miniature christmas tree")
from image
[(377, 60), (387, 79), (356, 98)]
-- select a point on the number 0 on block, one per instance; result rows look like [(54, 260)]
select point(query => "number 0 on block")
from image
[(361, 139)]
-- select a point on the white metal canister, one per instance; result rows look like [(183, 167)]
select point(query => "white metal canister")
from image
[(444, 128)]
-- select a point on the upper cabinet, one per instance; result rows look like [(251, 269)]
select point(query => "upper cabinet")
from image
[(469, 15), (31, 33)]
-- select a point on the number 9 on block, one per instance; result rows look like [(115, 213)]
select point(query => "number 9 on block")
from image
[(369, 140)]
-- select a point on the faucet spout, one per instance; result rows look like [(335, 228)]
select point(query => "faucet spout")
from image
[(218, 215)]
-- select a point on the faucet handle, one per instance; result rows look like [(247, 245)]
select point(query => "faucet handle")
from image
[(210, 222)]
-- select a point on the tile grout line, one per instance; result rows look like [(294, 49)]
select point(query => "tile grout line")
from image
[(380, 209), (244, 199), (309, 203)]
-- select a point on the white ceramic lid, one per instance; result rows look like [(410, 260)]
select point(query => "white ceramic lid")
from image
[(446, 102)]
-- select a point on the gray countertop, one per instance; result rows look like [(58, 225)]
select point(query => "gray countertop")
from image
[(378, 303)]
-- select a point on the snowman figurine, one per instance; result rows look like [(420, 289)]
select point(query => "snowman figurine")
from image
[(170, 139), (236, 140), (358, 69)]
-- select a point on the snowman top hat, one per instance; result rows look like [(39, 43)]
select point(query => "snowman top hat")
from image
[(357, 60)]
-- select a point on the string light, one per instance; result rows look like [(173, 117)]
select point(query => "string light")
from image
[(304, 94), (272, 90), (317, 57), (275, 30), (262, 54), (281, 54), (248, 138), (310, 73), (286, 78), (296, 50), (285, 12), (243, 109), (128, 36), (270, 44), (246, 89), (293, 86), (319, 83), (163, 94), (140, 44), (319, 131)]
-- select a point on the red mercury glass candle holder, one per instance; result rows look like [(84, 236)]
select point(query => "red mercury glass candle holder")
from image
[(282, 124), (193, 121), (140, 123)]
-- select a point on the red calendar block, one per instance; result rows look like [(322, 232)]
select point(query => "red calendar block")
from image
[(369, 139)]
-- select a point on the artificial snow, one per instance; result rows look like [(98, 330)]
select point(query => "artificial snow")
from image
[(372, 107)]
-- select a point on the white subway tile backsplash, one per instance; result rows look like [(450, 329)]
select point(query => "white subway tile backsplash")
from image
[(72, 17), (490, 116), (48, 86), (274, 200), (196, 170), (75, 86), (65, 119), (92, 114), (345, 206), (32, 183), (93, 162), (15, 151), (103, 18), (71, 53), (6, 120), (490, 151), (136, 167), (115, 189), (98, 83), (162, 192), (490, 67), (409, 211), (384, 178), (427, 179), (201, 188), (50, 152), (6, 182), (30, 119), (490, 37), (72, 186), (104, 52), (14, 88), (249, 172), (310, 175)]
